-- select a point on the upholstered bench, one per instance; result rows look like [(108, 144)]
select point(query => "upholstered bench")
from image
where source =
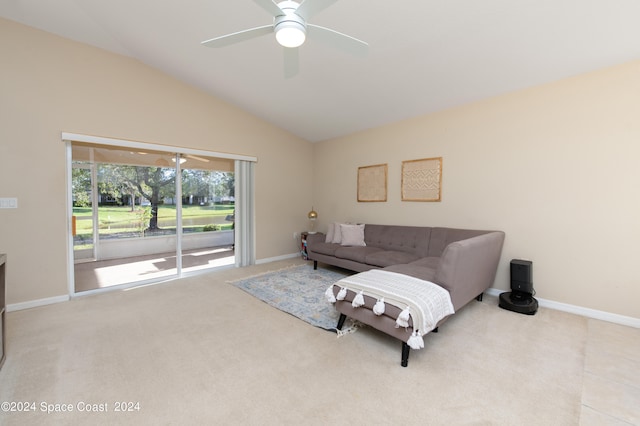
[(400, 305)]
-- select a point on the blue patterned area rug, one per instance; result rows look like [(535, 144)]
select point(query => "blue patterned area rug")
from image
[(299, 291)]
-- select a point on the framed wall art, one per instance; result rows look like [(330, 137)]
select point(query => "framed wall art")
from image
[(422, 179), (372, 183)]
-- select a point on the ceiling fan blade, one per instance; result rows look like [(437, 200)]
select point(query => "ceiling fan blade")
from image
[(269, 6), (291, 62), (308, 8), (339, 40), (233, 38)]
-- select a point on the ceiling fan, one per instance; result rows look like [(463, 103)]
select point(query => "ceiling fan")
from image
[(291, 28), (183, 158)]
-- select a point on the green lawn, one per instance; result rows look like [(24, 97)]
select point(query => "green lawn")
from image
[(120, 219)]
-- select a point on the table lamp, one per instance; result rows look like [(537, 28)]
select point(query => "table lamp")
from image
[(312, 215)]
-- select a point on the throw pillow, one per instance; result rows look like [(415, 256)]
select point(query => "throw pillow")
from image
[(330, 233), (352, 235), (337, 234)]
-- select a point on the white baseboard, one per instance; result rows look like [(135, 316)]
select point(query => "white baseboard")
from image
[(565, 307), (579, 310), (58, 299), (275, 259), (35, 303)]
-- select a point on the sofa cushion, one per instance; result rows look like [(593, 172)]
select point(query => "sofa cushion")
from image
[(355, 253), (325, 248), (427, 262), (411, 269), (389, 257), (408, 239), (352, 235)]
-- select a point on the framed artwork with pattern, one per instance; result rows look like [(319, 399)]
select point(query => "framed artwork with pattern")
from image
[(422, 179), (372, 183)]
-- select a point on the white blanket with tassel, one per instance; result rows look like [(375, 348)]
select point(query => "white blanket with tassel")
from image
[(426, 302)]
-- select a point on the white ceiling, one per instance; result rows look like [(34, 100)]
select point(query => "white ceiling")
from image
[(424, 55)]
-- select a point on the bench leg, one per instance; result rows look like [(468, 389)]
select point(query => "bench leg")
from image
[(479, 297), (315, 265), (341, 321), (405, 354)]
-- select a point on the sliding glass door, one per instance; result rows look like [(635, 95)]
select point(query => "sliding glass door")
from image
[(84, 214), (145, 215), (208, 207)]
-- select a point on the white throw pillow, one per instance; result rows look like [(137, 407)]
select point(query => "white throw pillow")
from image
[(352, 235), (337, 234), (330, 233)]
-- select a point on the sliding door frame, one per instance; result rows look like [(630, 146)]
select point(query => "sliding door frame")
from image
[(246, 243)]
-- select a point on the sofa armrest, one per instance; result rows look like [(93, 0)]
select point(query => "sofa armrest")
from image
[(468, 267)]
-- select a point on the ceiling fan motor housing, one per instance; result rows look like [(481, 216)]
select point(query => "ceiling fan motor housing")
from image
[(290, 28)]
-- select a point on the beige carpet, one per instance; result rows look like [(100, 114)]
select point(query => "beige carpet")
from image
[(200, 351)]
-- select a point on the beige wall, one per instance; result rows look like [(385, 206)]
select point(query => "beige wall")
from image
[(555, 167), (50, 85)]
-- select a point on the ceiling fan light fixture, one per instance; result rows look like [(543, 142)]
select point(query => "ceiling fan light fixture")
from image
[(290, 34), (290, 28)]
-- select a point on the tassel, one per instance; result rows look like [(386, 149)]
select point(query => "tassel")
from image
[(342, 294), (378, 308), (415, 341), (329, 293), (403, 318), (358, 300)]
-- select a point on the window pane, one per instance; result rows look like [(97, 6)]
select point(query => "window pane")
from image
[(207, 213), (83, 214), (135, 216)]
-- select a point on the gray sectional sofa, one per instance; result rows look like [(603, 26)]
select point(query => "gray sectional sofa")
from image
[(462, 261)]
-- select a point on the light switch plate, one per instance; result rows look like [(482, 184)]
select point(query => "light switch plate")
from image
[(8, 203)]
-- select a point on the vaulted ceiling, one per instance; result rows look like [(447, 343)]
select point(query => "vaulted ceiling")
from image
[(424, 55)]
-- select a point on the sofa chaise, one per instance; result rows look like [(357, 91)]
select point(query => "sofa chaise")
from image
[(464, 262)]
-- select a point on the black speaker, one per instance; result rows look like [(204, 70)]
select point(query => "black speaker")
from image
[(522, 276)]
